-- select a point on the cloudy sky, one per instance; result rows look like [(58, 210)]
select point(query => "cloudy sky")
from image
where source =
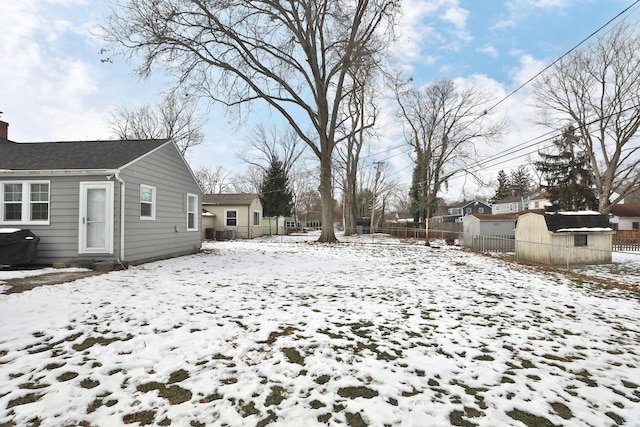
[(54, 87)]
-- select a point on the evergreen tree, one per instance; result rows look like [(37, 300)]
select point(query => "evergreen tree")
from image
[(275, 193), (504, 187), (567, 176), (520, 181)]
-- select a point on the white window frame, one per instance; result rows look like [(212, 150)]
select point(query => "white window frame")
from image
[(193, 211), (151, 217), (254, 218), (226, 217), (25, 203)]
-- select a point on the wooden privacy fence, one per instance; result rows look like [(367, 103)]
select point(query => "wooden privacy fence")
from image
[(626, 242)]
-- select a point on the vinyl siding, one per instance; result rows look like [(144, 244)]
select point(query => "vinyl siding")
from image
[(144, 240), (244, 228), (166, 235), (59, 239)]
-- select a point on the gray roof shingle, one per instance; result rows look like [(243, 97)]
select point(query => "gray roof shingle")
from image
[(73, 155)]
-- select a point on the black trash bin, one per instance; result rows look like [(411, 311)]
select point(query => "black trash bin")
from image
[(18, 246)]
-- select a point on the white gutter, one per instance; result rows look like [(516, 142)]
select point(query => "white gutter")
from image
[(122, 194)]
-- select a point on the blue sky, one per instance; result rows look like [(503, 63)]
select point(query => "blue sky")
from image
[(54, 87)]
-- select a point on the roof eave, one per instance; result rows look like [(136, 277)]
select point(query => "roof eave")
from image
[(58, 172)]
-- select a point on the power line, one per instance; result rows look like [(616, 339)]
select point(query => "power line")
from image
[(510, 150)]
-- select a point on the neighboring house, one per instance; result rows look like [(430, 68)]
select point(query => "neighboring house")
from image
[(90, 201), (564, 238), (402, 217), (489, 232), (625, 217), (513, 204), (458, 211), (235, 216), (541, 201)]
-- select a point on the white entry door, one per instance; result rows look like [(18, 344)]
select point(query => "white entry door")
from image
[(96, 217)]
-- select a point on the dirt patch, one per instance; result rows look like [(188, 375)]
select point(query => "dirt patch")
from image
[(23, 284)]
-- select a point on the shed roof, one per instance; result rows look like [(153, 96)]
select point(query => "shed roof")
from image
[(626, 210), (577, 221), (229, 199), (74, 155), (467, 203), (495, 217)]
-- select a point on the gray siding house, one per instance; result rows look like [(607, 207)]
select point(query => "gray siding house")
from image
[(117, 201)]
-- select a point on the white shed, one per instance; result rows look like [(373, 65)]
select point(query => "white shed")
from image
[(557, 238)]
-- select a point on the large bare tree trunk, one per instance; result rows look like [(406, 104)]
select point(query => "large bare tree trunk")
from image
[(295, 56), (326, 195)]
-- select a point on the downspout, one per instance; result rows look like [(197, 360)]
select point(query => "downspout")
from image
[(120, 257), (250, 222)]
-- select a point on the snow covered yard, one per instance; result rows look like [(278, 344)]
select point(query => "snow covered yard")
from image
[(288, 333)]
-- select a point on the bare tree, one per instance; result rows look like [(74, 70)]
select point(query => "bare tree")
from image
[(247, 182), (294, 56), (213, 181), (597, 90), (377, 187), (270, 144), (442, 124), (175, 117), (360, 113)]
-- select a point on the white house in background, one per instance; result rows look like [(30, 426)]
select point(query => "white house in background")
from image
[(231, 216), (541, 201), (519, 203), (560, 238), (625, 217)]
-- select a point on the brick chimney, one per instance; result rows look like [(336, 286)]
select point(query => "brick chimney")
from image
[(4, 130)]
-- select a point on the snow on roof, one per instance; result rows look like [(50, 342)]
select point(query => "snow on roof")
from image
[(574, 213), (584, 229)]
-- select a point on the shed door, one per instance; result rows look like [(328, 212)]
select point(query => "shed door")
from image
[(96, 217)]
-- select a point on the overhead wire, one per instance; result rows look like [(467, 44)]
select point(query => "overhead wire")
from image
[(527, 144)]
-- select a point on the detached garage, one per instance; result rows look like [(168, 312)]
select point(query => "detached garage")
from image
[(557, 238)]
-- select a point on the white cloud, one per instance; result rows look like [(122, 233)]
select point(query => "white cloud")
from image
[(417, 32), (519, 10), (489, 50), (49, 85), (456, 15)]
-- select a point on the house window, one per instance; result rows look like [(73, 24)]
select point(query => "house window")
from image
[(468, 210), (256, 218), (231, 218), (635, 225), (579, 240), (192, 204), (147, 202), (25, 202), (480, 210)]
